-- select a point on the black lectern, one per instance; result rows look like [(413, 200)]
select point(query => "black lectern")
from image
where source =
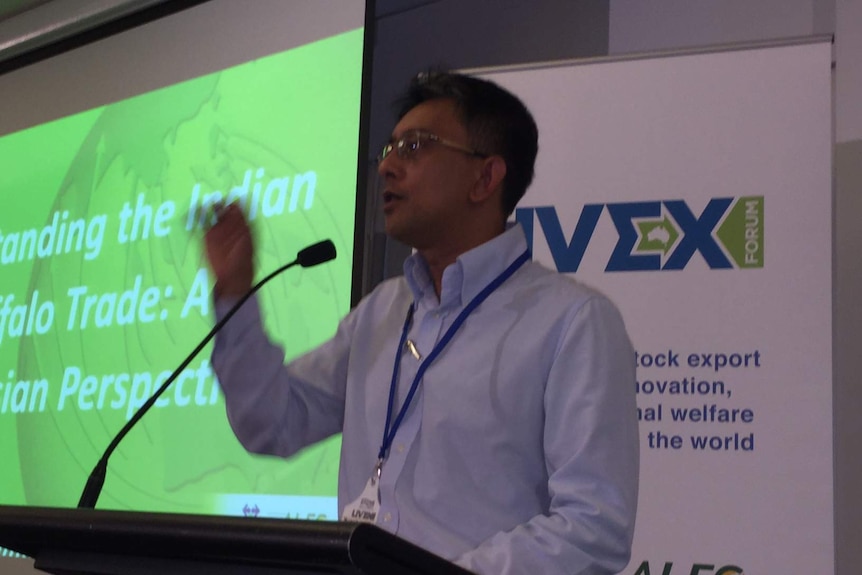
[(86, 541)]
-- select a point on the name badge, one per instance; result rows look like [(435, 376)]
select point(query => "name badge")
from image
[(366, 507)]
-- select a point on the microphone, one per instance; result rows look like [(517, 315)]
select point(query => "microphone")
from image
[(316, 254), (311, 256)]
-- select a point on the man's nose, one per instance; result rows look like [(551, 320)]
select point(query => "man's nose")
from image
[(389, 166)]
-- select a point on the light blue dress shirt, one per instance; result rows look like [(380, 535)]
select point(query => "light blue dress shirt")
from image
[(519, 452)]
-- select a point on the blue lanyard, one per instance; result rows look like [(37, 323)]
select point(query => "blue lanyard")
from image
[(389, 432)]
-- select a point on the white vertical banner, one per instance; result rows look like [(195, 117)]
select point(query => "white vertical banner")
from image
[(695, 191)]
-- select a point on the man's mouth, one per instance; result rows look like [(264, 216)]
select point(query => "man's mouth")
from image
[(389, 197)]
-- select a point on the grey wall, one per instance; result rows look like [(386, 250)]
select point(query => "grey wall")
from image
[(847, 399), (848, 71), (848, 285), (638, 26)]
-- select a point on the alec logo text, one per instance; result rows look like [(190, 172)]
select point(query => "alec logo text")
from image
[(657, 235), (645, 568)]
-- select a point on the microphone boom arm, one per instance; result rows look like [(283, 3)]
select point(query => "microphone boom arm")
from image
[(311, 256)]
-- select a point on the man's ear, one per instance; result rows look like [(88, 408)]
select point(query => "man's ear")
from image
[(491, 176)]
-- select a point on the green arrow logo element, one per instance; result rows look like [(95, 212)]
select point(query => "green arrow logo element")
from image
[(656, 235), (742, 232)]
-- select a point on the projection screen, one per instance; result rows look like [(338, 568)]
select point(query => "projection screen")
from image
[(111, 156)]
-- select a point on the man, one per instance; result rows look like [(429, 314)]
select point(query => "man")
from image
[(487, 404)]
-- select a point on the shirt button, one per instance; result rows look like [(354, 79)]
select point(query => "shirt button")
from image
[(387, 517), (400, 448)]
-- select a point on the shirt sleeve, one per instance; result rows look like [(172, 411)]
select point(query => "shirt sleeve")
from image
[(274, 408), (592, 456)]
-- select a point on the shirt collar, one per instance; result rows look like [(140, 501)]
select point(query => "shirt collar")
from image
[(471, 272)]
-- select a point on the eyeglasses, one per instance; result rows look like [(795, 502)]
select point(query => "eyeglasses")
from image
[(409, 144)]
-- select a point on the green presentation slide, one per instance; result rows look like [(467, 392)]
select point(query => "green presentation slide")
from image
[(104, 287)]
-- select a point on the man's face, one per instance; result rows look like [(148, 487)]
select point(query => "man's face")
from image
[(426, 194)]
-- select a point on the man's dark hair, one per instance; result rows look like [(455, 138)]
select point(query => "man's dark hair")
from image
[(497, 123)]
